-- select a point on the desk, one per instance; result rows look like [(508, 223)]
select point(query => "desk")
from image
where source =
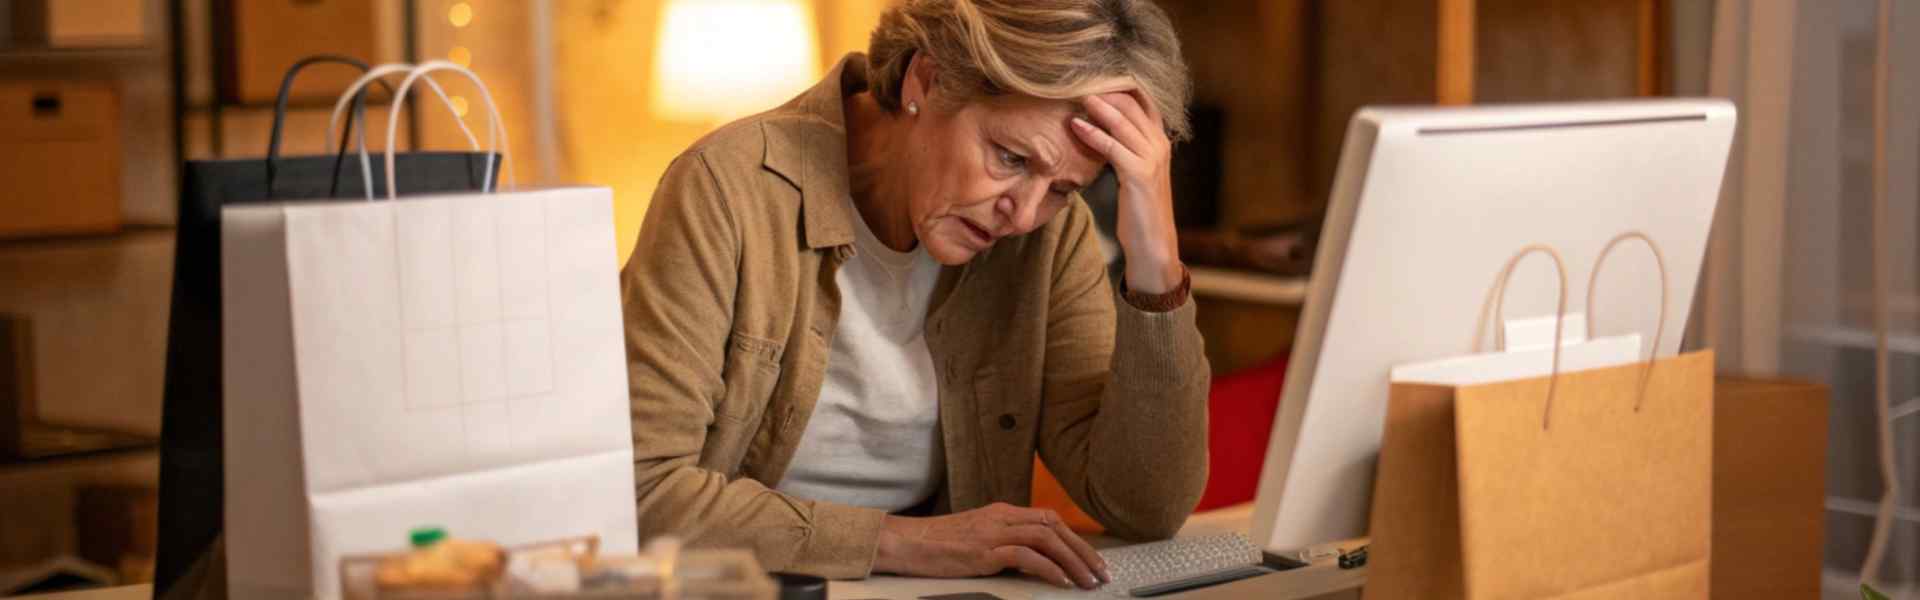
[(1323, 581)]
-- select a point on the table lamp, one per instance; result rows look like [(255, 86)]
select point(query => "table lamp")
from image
[(719, 60)]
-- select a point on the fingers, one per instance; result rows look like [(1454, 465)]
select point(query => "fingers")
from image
[(1153, 111), (1104, 143), (1032, 563), (1091, 557), (1047, 541), (1142, 114), (1074, 542), (1120, 116)]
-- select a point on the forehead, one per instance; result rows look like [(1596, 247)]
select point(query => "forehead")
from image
[(1043, 125)]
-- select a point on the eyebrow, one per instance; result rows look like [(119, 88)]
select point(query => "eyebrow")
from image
[(1052, 163)]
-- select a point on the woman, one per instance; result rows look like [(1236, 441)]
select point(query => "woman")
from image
[(852, 320)]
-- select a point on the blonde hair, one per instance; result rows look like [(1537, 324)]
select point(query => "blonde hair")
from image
[(1056, 49)]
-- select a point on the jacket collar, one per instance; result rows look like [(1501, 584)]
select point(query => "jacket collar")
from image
[(807, 145)]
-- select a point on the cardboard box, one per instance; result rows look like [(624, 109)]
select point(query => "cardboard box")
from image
[(66, 23), (88, 329), (1769, 487), (60, 156), (260, 39)]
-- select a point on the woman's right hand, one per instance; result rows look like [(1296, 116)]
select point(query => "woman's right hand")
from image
[(988, 540)]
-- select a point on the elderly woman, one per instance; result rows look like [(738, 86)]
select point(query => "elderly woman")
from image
[(853, 320)]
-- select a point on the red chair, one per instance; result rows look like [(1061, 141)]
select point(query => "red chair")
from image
[(1240, 417)]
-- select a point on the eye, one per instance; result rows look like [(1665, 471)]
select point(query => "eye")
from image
[(1008, 159)]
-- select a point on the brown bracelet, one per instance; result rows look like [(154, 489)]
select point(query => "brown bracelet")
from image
[(1159, 303)]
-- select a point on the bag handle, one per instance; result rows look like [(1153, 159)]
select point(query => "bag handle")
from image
[(1497, 299), (280, 112), (496, 131), (1659, 329), (377, 74), (1496, 296)]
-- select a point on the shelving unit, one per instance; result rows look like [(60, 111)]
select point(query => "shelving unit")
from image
[(1248, 286), (37, 437), (1840, 336), (216, 108)]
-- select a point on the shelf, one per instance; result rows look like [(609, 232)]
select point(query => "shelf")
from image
[(42, 444), (81, 53), (1907, 409), (292, 105), (16, 462), (127, 233), (1870, 509), (1248, 286), (1852, 337)]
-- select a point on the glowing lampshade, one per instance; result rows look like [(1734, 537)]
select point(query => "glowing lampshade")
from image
[(722, 59)]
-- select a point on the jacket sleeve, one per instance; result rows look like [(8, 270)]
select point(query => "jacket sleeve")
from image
[(677, 293), (1124, 413)]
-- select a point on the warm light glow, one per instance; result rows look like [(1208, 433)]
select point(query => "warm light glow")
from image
[(460, 14), (460, 55), (459, 106), (722, 59)]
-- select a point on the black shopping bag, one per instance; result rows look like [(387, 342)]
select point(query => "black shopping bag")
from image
[(191, 484)]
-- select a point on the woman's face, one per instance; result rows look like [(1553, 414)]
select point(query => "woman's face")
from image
[(989, 169)]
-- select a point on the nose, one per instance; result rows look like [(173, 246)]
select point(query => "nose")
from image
[(1020, 207)]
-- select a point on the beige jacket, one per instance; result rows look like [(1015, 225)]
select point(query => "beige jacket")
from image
[(730, 307)]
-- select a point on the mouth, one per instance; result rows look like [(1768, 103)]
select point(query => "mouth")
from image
[(979, 234)]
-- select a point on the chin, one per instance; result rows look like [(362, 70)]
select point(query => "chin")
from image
[(948, 253)]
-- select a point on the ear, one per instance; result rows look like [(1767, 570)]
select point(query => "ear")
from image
[(922, 74)]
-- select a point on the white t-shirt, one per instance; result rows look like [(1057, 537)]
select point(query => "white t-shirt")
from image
[(873, 440)]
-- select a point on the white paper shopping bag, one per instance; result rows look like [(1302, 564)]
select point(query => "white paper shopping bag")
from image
[(1519, 364), (452, 360)]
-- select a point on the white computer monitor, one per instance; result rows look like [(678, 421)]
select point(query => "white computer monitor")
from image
[(1428, 204)]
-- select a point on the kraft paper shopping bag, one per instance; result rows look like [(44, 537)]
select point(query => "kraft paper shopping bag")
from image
[(1416, 494), (1608, 502), (452, 360), (1583, 482)]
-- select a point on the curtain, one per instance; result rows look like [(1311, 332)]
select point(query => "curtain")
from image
[(1812, 270)]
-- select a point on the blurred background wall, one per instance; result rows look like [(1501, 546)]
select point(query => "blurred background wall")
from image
[(119, 92)]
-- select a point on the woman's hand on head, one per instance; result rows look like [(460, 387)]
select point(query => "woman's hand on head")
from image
[(1132, 136), (988, 540)]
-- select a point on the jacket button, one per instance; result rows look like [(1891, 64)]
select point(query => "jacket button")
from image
[(1007, 422)]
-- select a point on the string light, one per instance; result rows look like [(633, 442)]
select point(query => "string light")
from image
[(460, 14)]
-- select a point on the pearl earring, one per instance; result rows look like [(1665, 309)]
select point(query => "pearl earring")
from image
[(913, 108)]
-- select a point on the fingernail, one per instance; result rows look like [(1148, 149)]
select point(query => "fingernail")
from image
[(1105, 575), (1082, 123), (1065, 582)]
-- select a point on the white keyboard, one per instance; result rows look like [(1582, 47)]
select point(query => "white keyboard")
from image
[(1156, 568)]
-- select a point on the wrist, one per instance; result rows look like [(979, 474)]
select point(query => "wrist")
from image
[(1153, 275), (889, 554)]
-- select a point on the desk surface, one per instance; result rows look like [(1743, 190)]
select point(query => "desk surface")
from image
[(1320, 581)]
